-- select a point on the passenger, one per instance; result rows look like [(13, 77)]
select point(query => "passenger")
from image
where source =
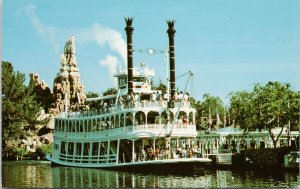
[(153, 96), (157, 151), (190, 153), (179, 151), (175, 97), (137, 97), (180, 96), (161, 153), (165, 97), (186, 97), (167, 154), (144, 155), (185, 121), (184, 153)]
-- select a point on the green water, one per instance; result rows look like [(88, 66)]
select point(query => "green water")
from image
[(40, 174)]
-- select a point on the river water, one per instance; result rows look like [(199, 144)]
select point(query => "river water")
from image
[(40, 174)]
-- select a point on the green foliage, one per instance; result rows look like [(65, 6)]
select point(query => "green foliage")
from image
[(19, 108), (267, 156), (110, 91), (160, 86), (213, 106), (273, 105), (92, 94), (241, 107), (44, 150), (19, 151)]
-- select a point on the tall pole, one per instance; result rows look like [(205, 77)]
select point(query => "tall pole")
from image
[(129, 29), (171, 32)]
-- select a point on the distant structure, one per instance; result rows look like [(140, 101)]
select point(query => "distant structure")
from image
[(68, 91), (42, 92)]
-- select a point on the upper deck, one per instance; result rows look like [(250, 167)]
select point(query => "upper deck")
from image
[(132, 120)]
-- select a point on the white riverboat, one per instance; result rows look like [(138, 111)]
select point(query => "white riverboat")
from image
[(137, 128)]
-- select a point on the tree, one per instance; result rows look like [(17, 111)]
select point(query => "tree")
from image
[(211, 107), (94, 105), (19, 109), (110, 91), (273, 105), (241, 109), (160, 86), (92, 95)]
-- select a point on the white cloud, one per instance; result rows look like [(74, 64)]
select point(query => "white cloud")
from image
[(112, 38), (111, 63), (105, 36), (45, 31)]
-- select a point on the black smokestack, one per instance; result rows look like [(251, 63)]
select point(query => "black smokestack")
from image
[(171, 31), (129, 29)]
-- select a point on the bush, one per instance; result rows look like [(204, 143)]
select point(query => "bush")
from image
[(19, 152), (267, 156), (44, 150)]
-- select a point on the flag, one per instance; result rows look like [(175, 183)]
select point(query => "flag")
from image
[(209, 119), (218, 119), (224, 121)]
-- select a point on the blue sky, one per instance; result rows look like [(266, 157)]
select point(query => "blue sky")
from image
[(229, 44)]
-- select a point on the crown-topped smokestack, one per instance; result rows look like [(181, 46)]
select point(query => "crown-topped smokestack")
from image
[(129, 29), (171, 32)]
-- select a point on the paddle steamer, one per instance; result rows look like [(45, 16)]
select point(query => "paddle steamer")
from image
[(137, 128)]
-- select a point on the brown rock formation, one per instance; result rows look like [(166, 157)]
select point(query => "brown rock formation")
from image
[(68, 91)]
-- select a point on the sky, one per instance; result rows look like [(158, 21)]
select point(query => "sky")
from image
[(228, 44)]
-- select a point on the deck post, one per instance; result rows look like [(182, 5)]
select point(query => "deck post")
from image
[(99, 148), (91, 152), (154, 145), (108, 149), (118, 149), (81, 154), (133, 159)]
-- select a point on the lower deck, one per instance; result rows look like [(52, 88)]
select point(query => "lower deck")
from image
[(125, 152)]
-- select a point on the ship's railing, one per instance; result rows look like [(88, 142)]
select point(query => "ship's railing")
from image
[(155, 129), (112, 158), (131, 105)]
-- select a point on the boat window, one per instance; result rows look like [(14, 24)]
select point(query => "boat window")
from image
[(103, 124), (98, 125), (70, 148), (117, 124), (94, 125), (140, 117), (164, 118), (112, 122), (95, 148), (122, 121), (86, 149), (80, 126), (74, 126), (129, 119), (152, 117), (56, 125), (78, 148), (65, 125), (63, 147), (86, 125), (89, 124), (103, 148)]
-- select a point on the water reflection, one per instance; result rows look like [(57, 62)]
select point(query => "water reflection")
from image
[(26, 174), (42, 175)]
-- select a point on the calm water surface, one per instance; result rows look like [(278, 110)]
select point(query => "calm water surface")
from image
[(31, 174)]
